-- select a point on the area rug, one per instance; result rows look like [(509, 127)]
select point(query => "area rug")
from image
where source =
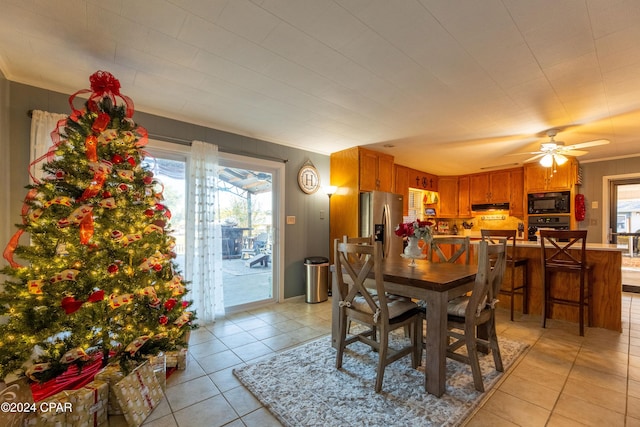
[(302, 387)]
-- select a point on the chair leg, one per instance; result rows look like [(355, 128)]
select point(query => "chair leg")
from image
[(342, 336), (471, 343), (581, 310), (525, 288), (512, 292), (545, 295), (382, 358), (495, 347)]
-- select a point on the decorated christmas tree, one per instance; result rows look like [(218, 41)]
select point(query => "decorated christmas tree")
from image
[(95, 274)]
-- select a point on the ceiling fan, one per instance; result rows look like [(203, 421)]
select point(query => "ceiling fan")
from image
[(554, 152)]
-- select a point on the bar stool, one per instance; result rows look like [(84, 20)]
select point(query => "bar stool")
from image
[(564, 251), (512, 264)]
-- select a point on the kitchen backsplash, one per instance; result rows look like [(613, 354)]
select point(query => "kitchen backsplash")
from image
[(486, 221)]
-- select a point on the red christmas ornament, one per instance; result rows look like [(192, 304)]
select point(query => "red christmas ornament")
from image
[(184, 304), (171, 302), (131, 161), (148, 213), (160, 223), (113, 268), (157, 267), (163, 320), (147, 180), (123, 188), (70, 305), (106, 194), (96, 296), (101, 122), (117, 159)]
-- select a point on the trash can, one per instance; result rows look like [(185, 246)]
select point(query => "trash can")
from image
[(317, 278)]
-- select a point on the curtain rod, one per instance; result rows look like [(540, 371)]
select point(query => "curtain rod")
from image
[(183, 141), (187, 142)]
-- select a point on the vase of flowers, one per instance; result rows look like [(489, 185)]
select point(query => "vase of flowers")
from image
[(414, 232)]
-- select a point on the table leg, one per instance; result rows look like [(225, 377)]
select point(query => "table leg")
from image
[(435, 366)]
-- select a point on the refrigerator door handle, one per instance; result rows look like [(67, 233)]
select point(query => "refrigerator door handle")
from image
[(386, 220)]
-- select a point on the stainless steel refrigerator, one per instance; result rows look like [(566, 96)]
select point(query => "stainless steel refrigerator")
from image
[(380, 213)]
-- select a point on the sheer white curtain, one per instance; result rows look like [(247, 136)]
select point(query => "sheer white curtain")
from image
[(42, 124), (203, 236)]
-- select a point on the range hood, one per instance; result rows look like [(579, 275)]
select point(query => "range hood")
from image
[(486, 207)]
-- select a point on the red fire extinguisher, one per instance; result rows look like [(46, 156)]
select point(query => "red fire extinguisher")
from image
[(580, 210)]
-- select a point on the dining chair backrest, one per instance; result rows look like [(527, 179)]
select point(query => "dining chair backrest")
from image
[(358, 241), (459, 245), (492, 263), (511, 288), (354, 262)]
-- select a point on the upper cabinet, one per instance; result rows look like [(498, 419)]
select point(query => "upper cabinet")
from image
[(401, 185), (405, 178), (464, 201), (376, 170), (516, 201), (448, 192), (490, 187), (539, 178)]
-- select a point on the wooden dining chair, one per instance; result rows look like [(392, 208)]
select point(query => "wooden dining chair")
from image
[(378, 312), (564, 251), (466, 313), (513, 262), (459, 249)]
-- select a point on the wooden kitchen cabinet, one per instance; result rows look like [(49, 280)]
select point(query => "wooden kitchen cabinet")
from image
[(516, 201), (405, 178), (537, 178), (401, 185), (448, 201), (464, 203), (376, 170), (490, 187), (348, 170)]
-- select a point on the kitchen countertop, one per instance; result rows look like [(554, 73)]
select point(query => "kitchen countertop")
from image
[(476, 237)]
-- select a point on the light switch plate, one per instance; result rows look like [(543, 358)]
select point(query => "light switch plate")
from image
[(291, 219), (594, 205)]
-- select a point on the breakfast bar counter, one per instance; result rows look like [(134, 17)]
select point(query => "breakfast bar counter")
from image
[(606, 274)]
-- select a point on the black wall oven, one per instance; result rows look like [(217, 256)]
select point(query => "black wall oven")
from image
[(557, 222), (549, 203)]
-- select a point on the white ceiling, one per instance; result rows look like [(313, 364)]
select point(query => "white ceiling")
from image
[(455, 86)]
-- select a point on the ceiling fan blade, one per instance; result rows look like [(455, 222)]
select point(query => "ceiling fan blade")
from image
[(573, 153), (522, 153), (587, 144), (531, 159)]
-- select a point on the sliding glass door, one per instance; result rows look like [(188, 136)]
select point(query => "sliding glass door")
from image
[(624, 217), (250, 195)]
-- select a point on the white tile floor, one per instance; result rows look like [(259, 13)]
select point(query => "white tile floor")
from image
[(563, 379)]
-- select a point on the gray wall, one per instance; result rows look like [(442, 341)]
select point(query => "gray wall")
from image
[(308, 237), (592, 174)]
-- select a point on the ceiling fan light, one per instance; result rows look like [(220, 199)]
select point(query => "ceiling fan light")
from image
[(560, 159), (547, 160)]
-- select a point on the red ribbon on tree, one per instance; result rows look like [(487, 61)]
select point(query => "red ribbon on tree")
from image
[(91, 145), (71, 305), (103, 84), (86, 229)]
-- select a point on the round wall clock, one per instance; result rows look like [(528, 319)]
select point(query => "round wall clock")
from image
[(308, 178)]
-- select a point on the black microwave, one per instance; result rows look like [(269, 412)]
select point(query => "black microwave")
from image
[(549, 203)]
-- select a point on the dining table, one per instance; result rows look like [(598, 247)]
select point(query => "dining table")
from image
[(434, 283)]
